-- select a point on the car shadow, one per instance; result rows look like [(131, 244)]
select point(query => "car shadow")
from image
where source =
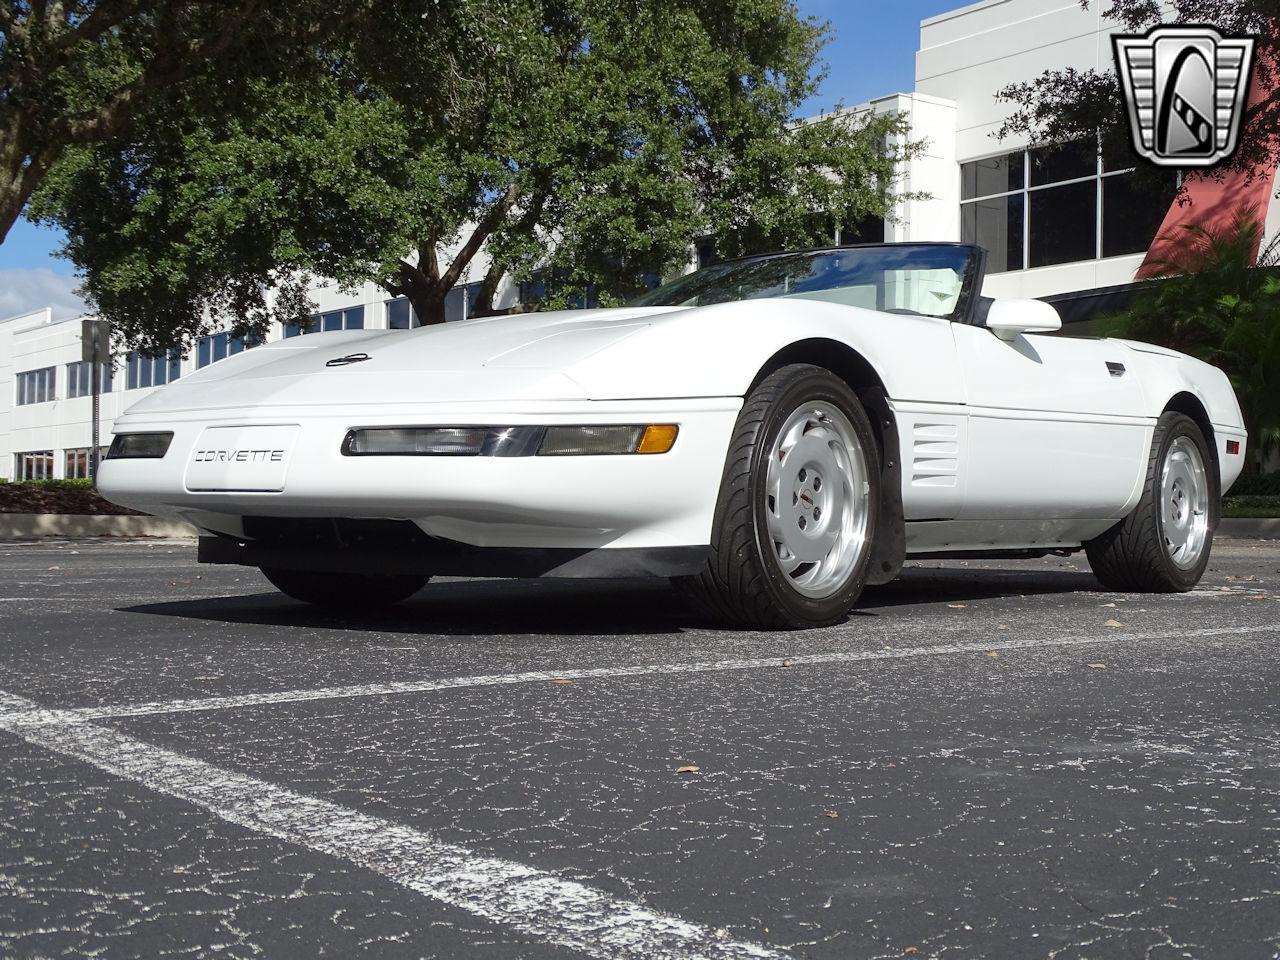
[(589, 607), (921, 585), (468, 608)]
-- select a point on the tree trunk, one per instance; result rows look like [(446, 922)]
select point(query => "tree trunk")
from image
[(526, 223), (428, 302), (488, 290), (1254, 461), (427, 286), (10, 206), (17, 183)]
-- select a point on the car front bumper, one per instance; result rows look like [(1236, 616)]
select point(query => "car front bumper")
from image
[(567, 502)]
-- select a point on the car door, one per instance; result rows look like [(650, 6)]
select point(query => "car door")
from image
[(1056, 426)]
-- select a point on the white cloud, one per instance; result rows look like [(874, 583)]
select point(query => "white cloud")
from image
[(22, 291)]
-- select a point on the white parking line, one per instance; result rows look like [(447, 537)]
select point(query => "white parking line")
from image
[(641, 670), (521, 897)]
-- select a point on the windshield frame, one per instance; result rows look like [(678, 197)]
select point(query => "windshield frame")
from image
[(965, 309)]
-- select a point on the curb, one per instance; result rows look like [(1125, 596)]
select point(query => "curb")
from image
[(1249, 528), (71, 526)]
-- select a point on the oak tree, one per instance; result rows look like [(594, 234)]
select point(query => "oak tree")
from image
[(76, 72), (593, 142)]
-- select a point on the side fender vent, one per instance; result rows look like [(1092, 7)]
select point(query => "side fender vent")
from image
[(935, 454)]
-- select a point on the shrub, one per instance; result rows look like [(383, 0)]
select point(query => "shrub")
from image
[(1258, 485), (81, 483)]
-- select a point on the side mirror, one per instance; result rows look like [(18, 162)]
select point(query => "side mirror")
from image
[(1009, 318)]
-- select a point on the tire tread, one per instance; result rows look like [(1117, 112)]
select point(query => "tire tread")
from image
[(1130, 558), (732, 588)]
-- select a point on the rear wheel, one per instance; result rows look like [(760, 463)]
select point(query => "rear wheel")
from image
[(795, 518), (352, 592), (1163, 545)]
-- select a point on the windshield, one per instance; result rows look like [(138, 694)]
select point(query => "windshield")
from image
[(905, 278)]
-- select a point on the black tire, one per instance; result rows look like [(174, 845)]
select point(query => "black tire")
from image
[(743, 583), (1133, 557), (349, 592)]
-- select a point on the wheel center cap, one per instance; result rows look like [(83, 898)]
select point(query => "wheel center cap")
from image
[(809, 503)]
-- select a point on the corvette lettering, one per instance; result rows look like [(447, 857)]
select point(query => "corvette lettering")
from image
[(238, 456)]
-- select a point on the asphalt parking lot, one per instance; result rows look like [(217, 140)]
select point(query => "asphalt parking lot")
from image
[(986, 760)]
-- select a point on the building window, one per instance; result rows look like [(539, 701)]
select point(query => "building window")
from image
[(993, 176), (1133, 207), (401, 315), (996, 224), (1077, 160), (460, 302), (77, 465), (544, 285), (77, 462), (534, 290), (80, 378), (35, 465), (1066, 204), (36, 386), (219, 346), (143, 371), (352, 319), (1064, 224)]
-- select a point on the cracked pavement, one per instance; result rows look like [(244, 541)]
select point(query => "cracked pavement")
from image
[(988, 759)]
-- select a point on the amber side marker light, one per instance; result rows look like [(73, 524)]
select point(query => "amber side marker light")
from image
[(658, 438), (607, 439)]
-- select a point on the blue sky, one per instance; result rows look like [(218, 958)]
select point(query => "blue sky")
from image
[(872, 50), (871, 53)]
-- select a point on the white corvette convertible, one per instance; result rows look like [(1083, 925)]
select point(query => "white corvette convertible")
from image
[(773, 433)]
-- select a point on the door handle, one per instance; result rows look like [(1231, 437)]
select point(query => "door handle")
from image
[(1115, 369)]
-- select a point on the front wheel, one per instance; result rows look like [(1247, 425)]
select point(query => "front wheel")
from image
[(347, 592), (1163, 545), (791, 539)]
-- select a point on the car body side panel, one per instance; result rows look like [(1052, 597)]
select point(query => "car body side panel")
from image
[(718, 351), (1053, 430), (1165, 374)]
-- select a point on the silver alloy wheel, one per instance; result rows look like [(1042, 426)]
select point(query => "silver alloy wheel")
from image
[(817, 499), (1184, 503)]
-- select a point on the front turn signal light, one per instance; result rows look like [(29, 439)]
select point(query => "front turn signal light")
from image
[(658, 438), (607, 439)]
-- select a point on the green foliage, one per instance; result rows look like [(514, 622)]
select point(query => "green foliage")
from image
[(80, 72), (1257, 485), (1211, 302), (1251, 507), (212, 206), (82, 483), (593, 141)]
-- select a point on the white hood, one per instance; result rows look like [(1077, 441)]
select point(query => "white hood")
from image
[(500, 358)]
